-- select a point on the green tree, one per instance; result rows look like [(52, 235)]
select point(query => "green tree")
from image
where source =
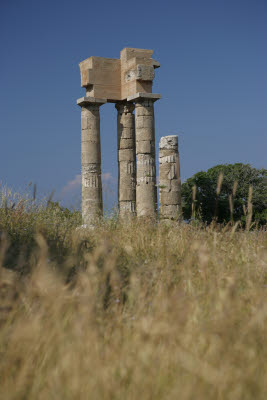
[(212, 201)]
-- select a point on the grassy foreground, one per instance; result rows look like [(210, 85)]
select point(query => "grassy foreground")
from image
[(134, 311)]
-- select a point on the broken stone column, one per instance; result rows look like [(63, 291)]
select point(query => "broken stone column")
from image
[(126, 160), (92, 205), (169, 178), (146, 191)]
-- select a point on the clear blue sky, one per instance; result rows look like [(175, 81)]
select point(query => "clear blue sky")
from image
[(213, 81)]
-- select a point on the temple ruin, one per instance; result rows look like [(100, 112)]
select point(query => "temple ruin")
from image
[(127, 82)]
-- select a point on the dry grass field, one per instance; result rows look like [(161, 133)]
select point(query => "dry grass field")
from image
[(135, 311)]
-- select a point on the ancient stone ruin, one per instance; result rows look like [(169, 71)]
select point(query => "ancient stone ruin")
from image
[(127, 82)]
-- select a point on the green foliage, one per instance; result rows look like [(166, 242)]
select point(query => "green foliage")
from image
[(210, 205)]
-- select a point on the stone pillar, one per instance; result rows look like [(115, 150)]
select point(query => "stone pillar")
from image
[(126, 160), (92, 204), (169, 178), (146, 191)]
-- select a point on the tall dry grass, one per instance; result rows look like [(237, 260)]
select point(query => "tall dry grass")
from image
[(134, 311)]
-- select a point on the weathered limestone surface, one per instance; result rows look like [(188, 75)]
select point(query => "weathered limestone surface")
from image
[(146, 192), (169, 178), (92, 205), (126, 160), (116, 79), (122, 81)]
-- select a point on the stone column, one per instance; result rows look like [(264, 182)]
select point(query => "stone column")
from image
[(92, 204), (126, 160), (169, 178), (146, 191)]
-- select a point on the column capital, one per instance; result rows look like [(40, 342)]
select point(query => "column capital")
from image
[(87, 101), (125, 107), (144, 96)]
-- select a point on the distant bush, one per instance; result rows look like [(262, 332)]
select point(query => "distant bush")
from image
[(223, 193)]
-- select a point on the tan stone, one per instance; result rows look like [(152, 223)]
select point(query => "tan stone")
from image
[(141, 111), (127, 168), (169, 178), (167, 171), (146, 193), (145, 170), (170, 211), (126, 133), (126, 144), (144, 134), (168, 159), (126, 159), (127, 208), (92, 205), (171, 197), (146, 200), (165, 153), (126, 155), (117, 79), (89, 135), (164, 185), (126, 194), (91, 180), (145, 147), (169, 142)]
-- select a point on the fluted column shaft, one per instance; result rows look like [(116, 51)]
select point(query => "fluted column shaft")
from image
[(126, 160), (92, 205), (169, 178), (146, 193)]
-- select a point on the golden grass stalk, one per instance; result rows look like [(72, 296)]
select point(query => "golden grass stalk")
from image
[(137, 310)]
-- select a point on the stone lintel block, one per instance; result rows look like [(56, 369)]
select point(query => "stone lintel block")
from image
[(145, 72), (126, 155), (143, 96), (169, 142), (86, 101), (145, 147)]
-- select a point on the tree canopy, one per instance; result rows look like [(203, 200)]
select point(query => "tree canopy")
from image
[(226, 198)]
